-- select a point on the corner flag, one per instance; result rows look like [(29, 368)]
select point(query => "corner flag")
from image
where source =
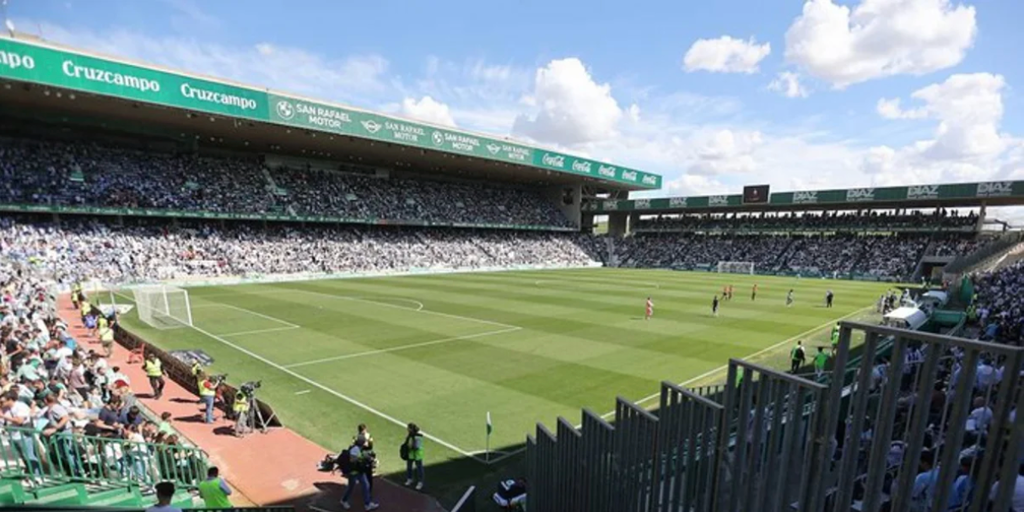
[(489, 430)]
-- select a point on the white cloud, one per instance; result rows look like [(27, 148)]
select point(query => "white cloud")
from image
[(725, 152), (353, 78), (967, 144), (879, 38), (428, 109), (788, 84), (725, 55), (969, 110), (570, 107), (892, 109)]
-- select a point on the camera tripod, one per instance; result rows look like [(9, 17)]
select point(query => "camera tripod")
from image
[(253, 418)]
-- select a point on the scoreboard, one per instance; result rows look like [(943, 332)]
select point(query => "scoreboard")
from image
[(754, 194)]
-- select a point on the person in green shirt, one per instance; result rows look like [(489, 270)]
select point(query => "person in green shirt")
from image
[(797, 357), (820, 360), (165, 424), (414, 440), (214, 490)]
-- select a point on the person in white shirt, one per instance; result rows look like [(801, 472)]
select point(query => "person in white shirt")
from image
[(980, 418), (1017, 501), (17, 414), (164, 495)]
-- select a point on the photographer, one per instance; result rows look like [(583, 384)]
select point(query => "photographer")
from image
[(356, 464), (414, 450), (240, 407), (207, 393), (364, 435)]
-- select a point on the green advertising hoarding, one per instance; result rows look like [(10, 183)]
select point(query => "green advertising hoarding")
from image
[(989, 189), (343, 121), (59, 68), (47, 66)]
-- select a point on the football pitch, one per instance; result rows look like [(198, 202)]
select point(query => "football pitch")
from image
[(444, 350)]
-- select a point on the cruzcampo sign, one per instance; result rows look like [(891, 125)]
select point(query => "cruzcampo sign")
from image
[(55, 67), (42, 65)]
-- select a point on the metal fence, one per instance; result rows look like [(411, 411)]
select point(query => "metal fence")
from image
[(912, 408), (67, 457)]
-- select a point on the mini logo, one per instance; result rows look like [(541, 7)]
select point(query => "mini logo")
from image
[(995, 188), (581, 166), (642, 204), (285, 110), (372, 126), (860, 194), (607, 171), (493, 148), (611, 205), (805, 197), (553, 160), (677, 202), (718, 200), (649, 179), (629, 175), (923, 192), (438, 138)]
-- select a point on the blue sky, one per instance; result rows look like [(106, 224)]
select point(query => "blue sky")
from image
[(712, 95)]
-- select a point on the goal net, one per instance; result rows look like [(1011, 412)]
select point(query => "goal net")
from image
[(735, 267), (163, 307)]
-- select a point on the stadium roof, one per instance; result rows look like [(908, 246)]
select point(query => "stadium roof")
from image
[(993, 193), (54, 66)]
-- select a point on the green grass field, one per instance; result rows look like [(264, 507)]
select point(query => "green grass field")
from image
[(444, 350)]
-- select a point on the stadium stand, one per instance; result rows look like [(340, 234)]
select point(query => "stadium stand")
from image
[(53, 173), (124, 254), (889, 257), (74, 433)]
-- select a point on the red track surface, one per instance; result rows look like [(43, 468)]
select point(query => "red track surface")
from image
[(266, 469)]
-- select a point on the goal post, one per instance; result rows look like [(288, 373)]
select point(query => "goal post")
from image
[(163, 307), (735, 267)]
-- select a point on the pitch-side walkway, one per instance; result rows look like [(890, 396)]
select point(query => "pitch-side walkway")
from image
[(266, 469)]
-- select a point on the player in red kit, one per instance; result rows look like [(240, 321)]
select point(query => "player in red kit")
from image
[(650, 309)]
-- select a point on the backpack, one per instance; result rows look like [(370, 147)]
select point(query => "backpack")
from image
[(344, 462), (403, 451)]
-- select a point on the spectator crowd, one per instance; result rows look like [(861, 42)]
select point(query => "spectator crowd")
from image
[(97, 249), (887, 257), (76, 174), (67, 411)]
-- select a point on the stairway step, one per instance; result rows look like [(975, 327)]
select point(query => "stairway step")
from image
[(64, 494), (120, 497), (12, 492)]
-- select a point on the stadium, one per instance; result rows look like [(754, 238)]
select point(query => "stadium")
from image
[(306, 267)]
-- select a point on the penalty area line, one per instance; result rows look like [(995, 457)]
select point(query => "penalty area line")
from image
[(404, 347), (326, 389)]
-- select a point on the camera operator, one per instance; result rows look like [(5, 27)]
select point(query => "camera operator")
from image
[(241, 409), (356, 465), (207, 393), (364, 436)]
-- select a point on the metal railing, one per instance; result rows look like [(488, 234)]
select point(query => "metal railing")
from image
[(66, 457), (769, 441)]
